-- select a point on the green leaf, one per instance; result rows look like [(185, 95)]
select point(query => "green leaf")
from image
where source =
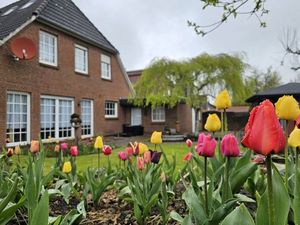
[(175, 216), (70, 218), (281, 202), (41, 212), (296, 202), (244, 198), (9, 211), (239, 216), (11, 193), (220, 213), (239, 177), (138, 214)]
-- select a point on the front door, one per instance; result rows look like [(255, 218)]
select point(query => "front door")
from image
[(136, 116)]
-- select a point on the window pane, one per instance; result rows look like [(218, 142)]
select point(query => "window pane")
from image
[(81, 59), (86, 117), (47, 48), (105, 67), (47, 118), (111, 109)]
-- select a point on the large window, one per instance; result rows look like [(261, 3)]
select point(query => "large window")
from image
[(111, 109), (158, 114), (87, 118), (48, 48), (81, 59), (55, 117), (105, 67), (17, 118)]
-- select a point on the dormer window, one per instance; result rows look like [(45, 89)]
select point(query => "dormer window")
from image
[(29, 3), (9, 11)]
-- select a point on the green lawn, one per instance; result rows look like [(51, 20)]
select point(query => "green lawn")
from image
[(85, 161)]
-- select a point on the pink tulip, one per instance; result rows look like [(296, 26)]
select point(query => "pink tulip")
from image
[(147, 157), (74, 151), (206, 145), (64, 146), (140, 163), (122, 155), (187, 157), (107, 150), (189, 142), (230, 146), (129, 151)]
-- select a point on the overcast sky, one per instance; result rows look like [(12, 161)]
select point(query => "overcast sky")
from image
[(142, 30)]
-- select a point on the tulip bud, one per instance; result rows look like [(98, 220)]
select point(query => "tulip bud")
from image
[(213, 123), (64, 146), (56, 148), (67, 167), (35, 146), (98, 143), (206, 145), (223, 100), (156, 137), (189, 143), (147, 157), (142, 148), (155, 156), (107, 150), (287, 108), (294, 138), (129, 151), (122, 156), (18, 150), (10, 152), (74, 151), (229, 146), (140, 163), (188, 156)]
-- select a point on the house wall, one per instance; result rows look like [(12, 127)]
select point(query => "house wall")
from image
[(184, 117), (38, 79)]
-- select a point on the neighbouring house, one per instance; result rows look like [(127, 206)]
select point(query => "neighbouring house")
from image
[(75, 70)]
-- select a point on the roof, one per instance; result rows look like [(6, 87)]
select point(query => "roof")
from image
[(135, 72), (234, 109), (274, 93), (62, 14)]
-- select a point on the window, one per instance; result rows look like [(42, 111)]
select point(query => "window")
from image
[(48, 49), (111, 109), (105, 67), (87, 118), (81, 59), (158, 114), (9, 11), (55, 117), (17, 118)]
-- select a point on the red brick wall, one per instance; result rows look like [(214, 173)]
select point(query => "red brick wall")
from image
[(184, 113), (37, 79)]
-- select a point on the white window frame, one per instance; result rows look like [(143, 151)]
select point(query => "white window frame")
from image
[(116, 109), (27, 121), (86, 61), (154, 112), (106, 60), (41, 60), (92, 117), (57, 98)]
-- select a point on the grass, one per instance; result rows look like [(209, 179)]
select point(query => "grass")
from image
[(85, 161)]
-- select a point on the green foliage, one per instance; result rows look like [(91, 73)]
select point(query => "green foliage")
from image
[(296, 200), (239, 216)]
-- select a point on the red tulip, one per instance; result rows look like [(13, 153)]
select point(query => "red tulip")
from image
[(122, 156), (107, 150), (64, 146), (206, 145), (229, 146), (263, 133), (10, 152), (188, 156), (74, 151), (189, 142), (140, 162), (129, 151)]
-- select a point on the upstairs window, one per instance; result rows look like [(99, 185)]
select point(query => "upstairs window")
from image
[(159, 114), (111, 109), (48, 49), (81, 59), (105, 67)]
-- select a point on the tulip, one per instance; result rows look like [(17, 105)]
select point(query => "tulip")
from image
[(147, 157), (223, 100), (64, 146), (142, 148), (135, 148), (287, 108), (122, 156), (140, 163), (155, 156), (34, 146), (229, 146), (56, 148), (129, 151), (188, 156), (189, 143), (18, 150), (294, 138), (98, 143), (10, 152), (263, 133), (206, 145), (156, 138), (213, 123), (74, 151), (259, 159), (298, 121), (67, 168), (107, 150)]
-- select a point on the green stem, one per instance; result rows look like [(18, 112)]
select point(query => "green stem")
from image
[(98, 159), (270, 190), (226, 180), (225, 121), (297, 158), (286, 156), (205, 185)]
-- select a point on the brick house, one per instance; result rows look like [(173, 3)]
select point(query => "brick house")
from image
[(180, 118), (75, 70)]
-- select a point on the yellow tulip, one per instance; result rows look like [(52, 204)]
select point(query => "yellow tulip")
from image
[(156, 138), (99, 142), (34, 146), (223, 100), (67, 168), (142, 148), (213, 123), (294, 138), (18, 150), (287, 108)]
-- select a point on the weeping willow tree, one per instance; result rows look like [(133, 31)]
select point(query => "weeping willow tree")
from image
[(168, 82)]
